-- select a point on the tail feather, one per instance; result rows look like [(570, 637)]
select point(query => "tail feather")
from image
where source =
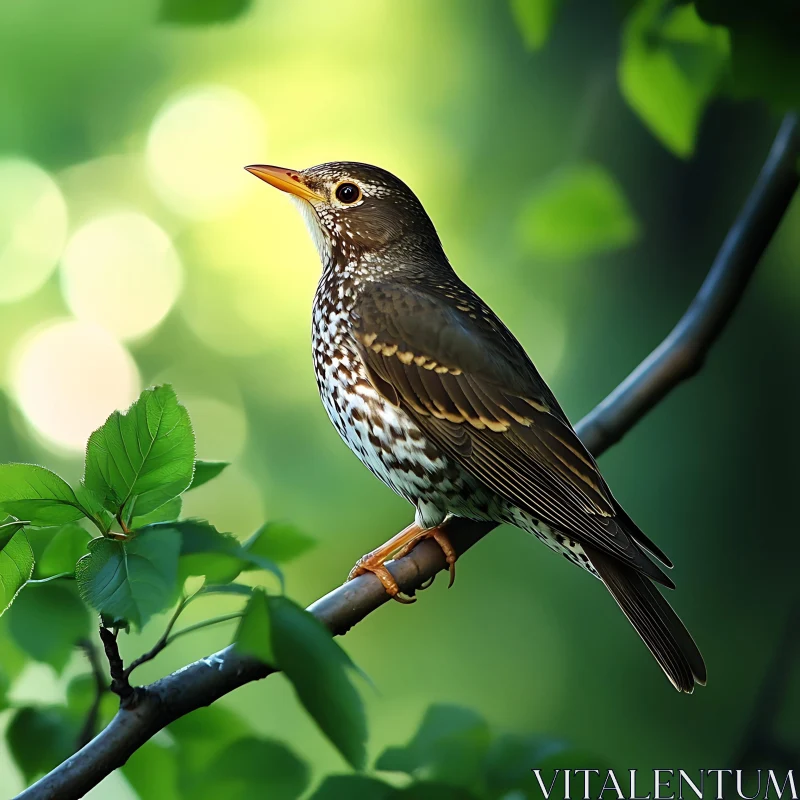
[(638, 535), (654, 620)]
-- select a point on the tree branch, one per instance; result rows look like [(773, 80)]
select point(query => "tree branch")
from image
[(678, 357)]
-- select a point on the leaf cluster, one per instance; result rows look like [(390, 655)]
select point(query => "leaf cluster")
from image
[(138, 465), (675, 58), (454, 755)]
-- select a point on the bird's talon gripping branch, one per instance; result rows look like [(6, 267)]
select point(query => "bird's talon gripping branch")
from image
[(443, 540), (398, 546)]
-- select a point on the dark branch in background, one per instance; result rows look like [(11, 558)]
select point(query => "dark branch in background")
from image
[(89, 728), (761, 745), (677, 358)]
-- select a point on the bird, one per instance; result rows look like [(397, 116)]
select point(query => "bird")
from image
[(438, 399)]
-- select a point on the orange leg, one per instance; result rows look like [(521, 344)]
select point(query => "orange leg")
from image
[(400, 545)]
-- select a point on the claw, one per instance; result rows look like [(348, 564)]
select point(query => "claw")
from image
[(443, 540), (428, 583), (400, 545)]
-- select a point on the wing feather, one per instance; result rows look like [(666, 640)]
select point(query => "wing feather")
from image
[(471, 388)]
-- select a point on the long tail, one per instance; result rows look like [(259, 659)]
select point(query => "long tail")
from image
[(654, 620)]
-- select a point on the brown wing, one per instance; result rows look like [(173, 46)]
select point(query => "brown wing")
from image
[(446, 359)]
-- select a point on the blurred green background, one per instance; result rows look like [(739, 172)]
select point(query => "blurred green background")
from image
[(135, 249)]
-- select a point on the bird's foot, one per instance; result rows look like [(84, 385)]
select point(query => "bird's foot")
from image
[(443, 540), (398, 546)]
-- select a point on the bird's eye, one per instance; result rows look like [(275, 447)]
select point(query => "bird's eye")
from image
[(348, 193)]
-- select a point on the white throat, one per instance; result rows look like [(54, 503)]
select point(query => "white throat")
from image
[(318, 233)]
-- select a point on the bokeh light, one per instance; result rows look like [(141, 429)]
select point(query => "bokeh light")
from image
[(220, 428), (122, 272), (234, 500), (33, 227), (197, 147), (255, 292), (68, 377)]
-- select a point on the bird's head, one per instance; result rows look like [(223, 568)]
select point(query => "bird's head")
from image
[(354, 210)]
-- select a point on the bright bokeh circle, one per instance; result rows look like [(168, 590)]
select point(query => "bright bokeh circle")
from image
[(197, 148), (220, 428), (68, 377), (122, 272), (33, 227)]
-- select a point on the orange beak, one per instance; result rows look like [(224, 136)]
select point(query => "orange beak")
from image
[(287, 180)]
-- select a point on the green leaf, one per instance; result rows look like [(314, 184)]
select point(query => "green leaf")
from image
[(560, 757), (201, 12), (204, 471), (279, 542), (671, 65), (131, 580), (94, 508), (33, 493), (206, 551), (39, 539), (765, 59), (349, 787), (67, 544), (81, 691), (449, 746), (5, 685), (48, 621), (534, 19), (16, 567), (169, 512), (254, 635), (432, 790), (218, 556), (8, 529), (510, 760), (13, 660), (40, 739), (200, 736), (318, 669), (152, 772), (243, 770), (578, 211), (81, 694), (226, 588), (144, 457)]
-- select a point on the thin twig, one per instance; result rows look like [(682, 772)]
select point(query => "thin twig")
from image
[(682, 353), (89, 729), (205, 624), (162, 642)]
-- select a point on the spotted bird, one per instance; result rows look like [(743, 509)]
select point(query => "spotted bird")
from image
[(437, 398)]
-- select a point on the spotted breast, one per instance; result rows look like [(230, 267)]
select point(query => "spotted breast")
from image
[(385, 439)]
